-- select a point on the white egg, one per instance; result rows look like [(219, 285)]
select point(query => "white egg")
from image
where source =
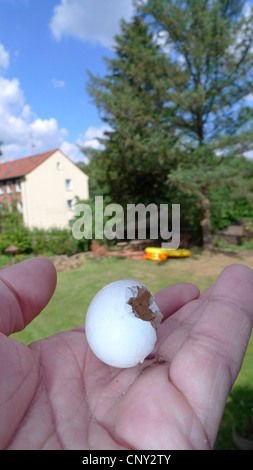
[(121, 323)]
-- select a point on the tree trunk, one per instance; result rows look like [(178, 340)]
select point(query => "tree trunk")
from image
[(206, 223)]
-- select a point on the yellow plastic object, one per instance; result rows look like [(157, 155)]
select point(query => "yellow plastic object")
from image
[(179, 253), (156, 256)]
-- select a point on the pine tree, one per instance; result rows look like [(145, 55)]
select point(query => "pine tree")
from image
[(139, 150), (210, 44)]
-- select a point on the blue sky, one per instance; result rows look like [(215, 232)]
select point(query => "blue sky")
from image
[(46, 48)]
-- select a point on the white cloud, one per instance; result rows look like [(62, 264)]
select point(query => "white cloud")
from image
[(73, 152), (90, 20), (91, 136), (46, 133), (161, 39), (4, 57), (10, 94), (58, 83), (21, 131), (89, 139), (249, 97)]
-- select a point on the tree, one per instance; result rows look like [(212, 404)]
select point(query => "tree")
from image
[(139, 150), (210, 45)]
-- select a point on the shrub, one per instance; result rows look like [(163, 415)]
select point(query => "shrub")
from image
[(13, 232), (54, 241)]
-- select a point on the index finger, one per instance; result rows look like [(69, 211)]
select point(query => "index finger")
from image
[(172, 298)]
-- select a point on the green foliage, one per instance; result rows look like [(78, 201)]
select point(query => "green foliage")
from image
[(37, 241), (96, 172), (13, 231), (210, 45), (175, 98), (139, 148), (232, 199), (84, 243), (53, 242)]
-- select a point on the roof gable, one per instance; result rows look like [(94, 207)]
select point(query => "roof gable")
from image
[(23, 166)]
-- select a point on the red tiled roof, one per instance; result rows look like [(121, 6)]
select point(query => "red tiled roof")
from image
[(22, 166)]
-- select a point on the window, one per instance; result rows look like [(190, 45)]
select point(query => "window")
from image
[(59, 166), (1, 188), (9, 187), (18, 186), (69, 184), (69, 203), (20, 207)]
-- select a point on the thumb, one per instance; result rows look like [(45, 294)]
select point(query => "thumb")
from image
[(25, 289)]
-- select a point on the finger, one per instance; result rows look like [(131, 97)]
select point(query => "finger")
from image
[(18, 379), (25, 289), (172, 298), (207, 364)]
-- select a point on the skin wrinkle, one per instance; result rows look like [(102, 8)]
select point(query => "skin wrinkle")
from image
[(194, 418), (58, 417), (195, 338), (93, 420), (193, 414), (19, 303), (53, 415), (93, 411), (114, 377), (48, 438), (212, 347), (25, 414), (113, 437), (148, 398), (232, 303), (220, 347), (41, 384), (182, 321), (114, 434), (198, 412), (18, 387)]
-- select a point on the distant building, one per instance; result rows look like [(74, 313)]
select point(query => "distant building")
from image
[(44, 187)]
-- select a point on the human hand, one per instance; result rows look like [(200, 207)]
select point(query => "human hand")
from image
[(55, 394)]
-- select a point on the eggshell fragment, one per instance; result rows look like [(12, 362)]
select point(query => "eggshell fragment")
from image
[(121, 323)]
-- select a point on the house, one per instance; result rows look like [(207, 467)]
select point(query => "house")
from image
[(44, 187)]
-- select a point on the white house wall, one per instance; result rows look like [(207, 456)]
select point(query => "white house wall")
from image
[(44, 193)]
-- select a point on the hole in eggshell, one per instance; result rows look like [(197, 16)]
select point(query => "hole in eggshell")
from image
[(141, 307)]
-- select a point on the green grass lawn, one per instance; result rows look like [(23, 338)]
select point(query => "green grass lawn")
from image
[(76, 288)]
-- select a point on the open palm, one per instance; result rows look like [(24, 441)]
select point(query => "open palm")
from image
[(55, 394)]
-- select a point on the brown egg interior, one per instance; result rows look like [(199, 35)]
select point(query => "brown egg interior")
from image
[(141, 307)]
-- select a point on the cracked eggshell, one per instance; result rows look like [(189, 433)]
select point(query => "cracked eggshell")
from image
[(114, 333)]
